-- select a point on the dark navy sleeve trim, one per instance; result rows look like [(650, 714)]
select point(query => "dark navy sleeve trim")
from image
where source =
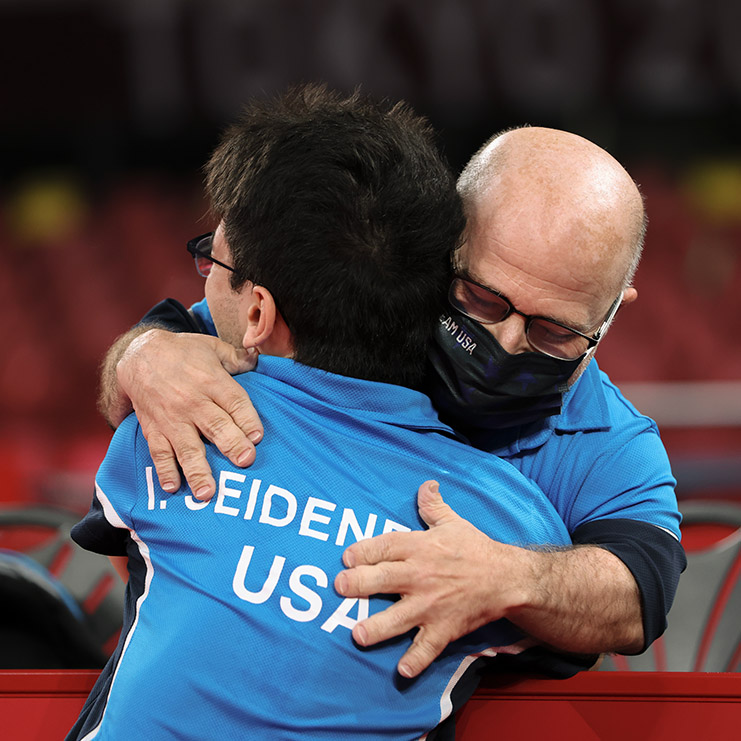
[(654, 557), (174, 316), (94, 533)]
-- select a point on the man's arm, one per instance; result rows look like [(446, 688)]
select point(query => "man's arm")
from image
[(113, 402), (180, 386), (453, 578), (654, 557), (581, 600)]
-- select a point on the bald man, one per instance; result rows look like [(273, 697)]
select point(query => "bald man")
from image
[(554, 233)]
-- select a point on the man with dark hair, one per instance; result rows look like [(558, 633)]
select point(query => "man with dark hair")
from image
[(297, 205), (336, 223)]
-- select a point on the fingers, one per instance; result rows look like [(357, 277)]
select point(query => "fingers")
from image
[(400, 618), (235, 360), (387, 547), (219, 427), (437, 573), (225, 415), (188, 450), (426, 647), (432, 508), (395, 620), (364, 581), (180, 389), (164, 462), (192, 458), (243, 428)]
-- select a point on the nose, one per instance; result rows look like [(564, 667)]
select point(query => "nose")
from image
[(510, 334)]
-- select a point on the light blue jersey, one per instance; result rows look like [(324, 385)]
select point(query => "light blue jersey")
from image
[(233, 629)]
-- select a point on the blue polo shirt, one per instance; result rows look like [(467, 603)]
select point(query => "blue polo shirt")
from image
[(599, 459), (603, 466), (233, 629)]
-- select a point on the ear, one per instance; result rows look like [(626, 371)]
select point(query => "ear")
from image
[(258, 316), (629, 296), (264, 326)]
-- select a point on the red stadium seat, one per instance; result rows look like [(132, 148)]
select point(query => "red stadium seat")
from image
[(704, 633)]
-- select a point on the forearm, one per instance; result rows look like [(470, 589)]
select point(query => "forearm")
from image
[(453, 578), (580, 600), (113, 402)]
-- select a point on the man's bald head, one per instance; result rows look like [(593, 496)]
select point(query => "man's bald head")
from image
[(578, 200)]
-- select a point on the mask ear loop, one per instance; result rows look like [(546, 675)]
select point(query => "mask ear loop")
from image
[(580, 368)]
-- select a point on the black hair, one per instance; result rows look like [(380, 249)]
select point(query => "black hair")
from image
[(344, 209)]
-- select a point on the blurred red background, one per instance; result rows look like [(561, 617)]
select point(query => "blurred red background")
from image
[(108, 110)]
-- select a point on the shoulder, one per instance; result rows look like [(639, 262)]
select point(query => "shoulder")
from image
[(122, 473), (621, 408), (603, 428), (124, 439), (621, 465), (601, 458)]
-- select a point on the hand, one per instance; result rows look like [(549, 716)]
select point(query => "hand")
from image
[(180, 387), (452, 579)]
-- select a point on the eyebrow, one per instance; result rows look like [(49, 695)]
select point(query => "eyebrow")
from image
[(579, 327)]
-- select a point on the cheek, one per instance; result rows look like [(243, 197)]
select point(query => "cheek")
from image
[(217, 304), (216, 289)]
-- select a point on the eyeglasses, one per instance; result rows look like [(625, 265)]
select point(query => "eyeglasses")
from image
[(547, 336), (200, 247)]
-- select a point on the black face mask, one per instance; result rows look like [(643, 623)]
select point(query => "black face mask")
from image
[(475, 384)]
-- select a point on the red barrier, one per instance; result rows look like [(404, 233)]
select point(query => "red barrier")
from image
[(42, 705), (599, 706), (606, 706)]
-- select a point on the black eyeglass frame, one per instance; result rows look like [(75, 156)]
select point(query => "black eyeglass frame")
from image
[(593, 340), (192, 247)]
